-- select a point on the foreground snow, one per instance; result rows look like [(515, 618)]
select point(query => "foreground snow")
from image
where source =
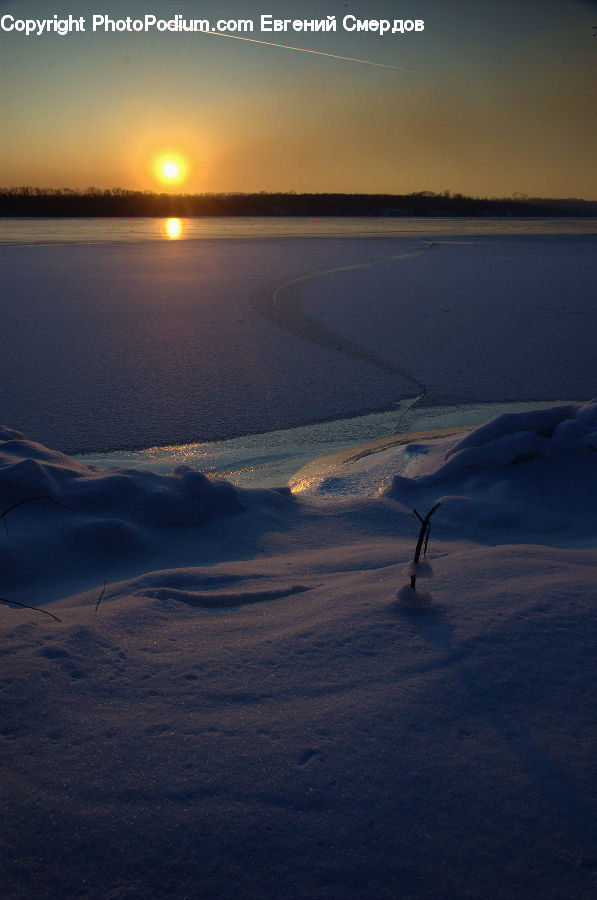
[(251, 712)]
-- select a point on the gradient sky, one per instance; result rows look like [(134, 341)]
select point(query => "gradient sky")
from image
[(503, 99)]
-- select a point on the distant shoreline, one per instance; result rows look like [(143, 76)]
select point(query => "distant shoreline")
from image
[(33, 202)]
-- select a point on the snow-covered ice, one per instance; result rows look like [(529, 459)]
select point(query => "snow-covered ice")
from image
[(129, 345), (247, 708)]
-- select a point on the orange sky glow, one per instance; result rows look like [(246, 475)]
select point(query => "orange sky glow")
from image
[(482, 102)]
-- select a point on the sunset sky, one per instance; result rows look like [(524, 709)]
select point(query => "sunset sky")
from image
[(492, 98)]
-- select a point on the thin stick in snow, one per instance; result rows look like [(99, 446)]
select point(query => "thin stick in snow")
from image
[(24, 606), (423, 536), (31, 500), (100, 596)]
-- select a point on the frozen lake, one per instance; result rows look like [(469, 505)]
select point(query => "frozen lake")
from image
[(260, 680), (139, 342), (23, 230)]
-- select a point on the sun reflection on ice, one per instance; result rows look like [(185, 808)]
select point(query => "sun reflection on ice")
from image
[(173, 229)]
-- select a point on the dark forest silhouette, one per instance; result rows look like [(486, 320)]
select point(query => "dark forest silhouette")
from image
[(35, 201)]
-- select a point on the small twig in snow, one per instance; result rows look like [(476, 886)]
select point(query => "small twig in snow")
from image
[(427, 538), (31, 500), (100, 596), (423, 536), (24, 606)]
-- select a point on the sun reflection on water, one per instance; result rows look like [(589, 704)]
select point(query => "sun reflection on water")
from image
[(173, 229)]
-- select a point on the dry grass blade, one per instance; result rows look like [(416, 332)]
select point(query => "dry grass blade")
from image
[(24, 606)]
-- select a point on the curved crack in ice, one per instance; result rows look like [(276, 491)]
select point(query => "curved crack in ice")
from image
[(284, 308)]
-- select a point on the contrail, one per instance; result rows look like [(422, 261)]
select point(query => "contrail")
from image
[(365, 62)]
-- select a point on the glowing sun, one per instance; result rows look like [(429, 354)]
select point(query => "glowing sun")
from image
[(170, 169)]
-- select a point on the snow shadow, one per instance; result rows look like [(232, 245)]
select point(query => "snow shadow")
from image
[(429, 623), (555, 785)]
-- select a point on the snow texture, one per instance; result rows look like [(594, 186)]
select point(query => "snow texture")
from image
[(249, 707)]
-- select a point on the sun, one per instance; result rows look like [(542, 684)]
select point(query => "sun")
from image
[(170, 168)]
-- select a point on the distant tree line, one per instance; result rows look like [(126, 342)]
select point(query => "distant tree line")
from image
[(34, 201)]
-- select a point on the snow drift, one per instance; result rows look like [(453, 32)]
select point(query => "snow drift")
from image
[(521, 475), (250, 712)]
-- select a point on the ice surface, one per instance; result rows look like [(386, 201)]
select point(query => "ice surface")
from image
[(307, 452), (253, 712), (132, 345), (492, 319), (129, 345)]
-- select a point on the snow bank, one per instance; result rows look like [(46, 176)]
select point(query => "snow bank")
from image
[(30, 468), (520, 477), (82, 522), (515, 437)]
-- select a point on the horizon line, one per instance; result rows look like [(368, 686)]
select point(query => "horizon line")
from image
[(517, 196)]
